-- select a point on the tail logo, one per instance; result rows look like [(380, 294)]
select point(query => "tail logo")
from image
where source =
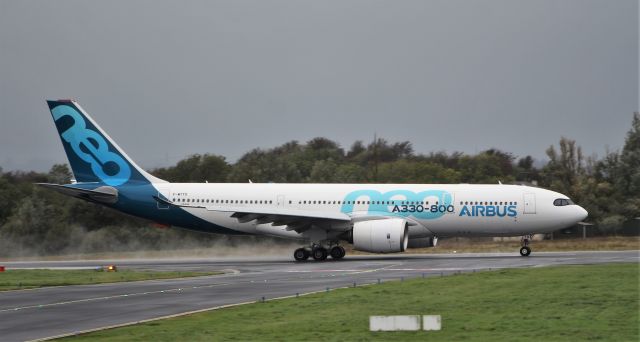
[(91, 147)]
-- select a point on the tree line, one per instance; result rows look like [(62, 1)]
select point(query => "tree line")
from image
[(37, 221)]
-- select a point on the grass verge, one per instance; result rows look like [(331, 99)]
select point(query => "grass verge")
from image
[(28, 279), (565, 303)]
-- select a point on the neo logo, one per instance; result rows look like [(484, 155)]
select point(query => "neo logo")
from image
[(378, 202), (91, 147)]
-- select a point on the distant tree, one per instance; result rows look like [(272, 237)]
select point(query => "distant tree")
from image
[(627, 180), (196, 168), (489, 166), (59, 174), (525, 170), (323, 171), (350, 173), (356, 149), (417, 172), (629, 164), (565, 169)]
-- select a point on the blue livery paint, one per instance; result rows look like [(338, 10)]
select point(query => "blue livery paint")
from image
[(378, 202), (96, 161), (92, 148), (489, 210), (92, 157)]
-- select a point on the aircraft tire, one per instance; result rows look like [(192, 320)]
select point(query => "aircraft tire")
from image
[(301, 254), (337, 252), (525, 251), (319, 254)]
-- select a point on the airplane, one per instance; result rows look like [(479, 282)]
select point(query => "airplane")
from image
[(376, 218)]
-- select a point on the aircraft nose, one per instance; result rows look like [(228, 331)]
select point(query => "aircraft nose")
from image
[(581, 214)]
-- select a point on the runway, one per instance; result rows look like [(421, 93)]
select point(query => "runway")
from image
[(55, 311)]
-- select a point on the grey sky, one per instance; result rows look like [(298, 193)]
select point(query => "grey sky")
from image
[(169, 79)]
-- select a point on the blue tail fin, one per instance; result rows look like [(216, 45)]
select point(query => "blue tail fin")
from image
[(92, 154)]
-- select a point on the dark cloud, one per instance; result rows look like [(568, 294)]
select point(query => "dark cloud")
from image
[(167, 79)]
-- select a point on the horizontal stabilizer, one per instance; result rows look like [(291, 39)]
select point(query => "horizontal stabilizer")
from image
[(102, 194)]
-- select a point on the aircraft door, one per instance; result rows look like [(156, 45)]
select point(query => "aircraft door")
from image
[(163, 192), (280, 200), (529, 203)]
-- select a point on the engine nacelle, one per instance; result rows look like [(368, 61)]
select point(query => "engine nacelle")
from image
[(381, 236), (423, 242)]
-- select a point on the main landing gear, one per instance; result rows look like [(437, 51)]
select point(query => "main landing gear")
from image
[(525, 250), (319, 253)]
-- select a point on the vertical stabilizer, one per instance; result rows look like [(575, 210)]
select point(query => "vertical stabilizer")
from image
[(93, 155)]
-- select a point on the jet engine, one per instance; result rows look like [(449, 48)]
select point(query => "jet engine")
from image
[(380, 236), (423, 242)]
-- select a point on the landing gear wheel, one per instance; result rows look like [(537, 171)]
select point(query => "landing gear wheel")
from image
[(319, 253), (301, 254), (525, 251), (337, 252)]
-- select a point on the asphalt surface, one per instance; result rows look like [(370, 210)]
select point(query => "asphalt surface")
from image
[(54, 311)]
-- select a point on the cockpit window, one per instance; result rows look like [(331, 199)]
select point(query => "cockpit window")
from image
[(560, 202)]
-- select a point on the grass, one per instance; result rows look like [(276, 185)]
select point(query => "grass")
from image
[(566, 303), (28, 279)]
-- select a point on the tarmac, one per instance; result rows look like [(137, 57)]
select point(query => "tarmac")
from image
[(68, 310)]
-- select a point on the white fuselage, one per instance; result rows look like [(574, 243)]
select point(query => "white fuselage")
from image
[(432, 209)]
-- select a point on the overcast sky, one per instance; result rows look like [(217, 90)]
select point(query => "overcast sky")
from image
[(169, 79)]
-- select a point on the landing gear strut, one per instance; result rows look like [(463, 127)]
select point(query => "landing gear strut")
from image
[(525, 250)]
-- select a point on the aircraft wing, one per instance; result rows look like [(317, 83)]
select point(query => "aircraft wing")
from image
[(294, 219)]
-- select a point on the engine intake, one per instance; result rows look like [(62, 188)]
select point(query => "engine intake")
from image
[(381, 236)]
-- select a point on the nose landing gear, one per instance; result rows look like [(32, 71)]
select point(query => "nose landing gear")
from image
[(525, 250)]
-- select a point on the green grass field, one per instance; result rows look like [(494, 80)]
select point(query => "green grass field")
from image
[(28, 279), (568, 303)]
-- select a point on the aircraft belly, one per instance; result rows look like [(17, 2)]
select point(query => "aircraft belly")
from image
[(221, 219), (470, 226)]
